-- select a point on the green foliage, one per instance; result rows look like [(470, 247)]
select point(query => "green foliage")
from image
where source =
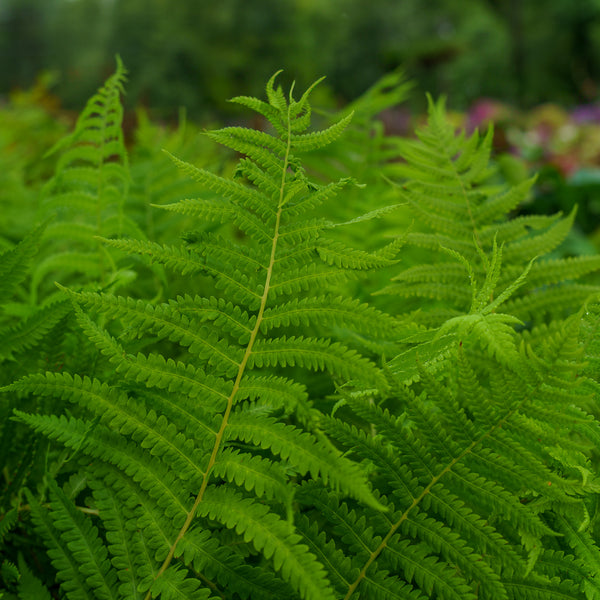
[(480, 465), (460, 212), (88, 192), (241, 425), (23, 168), (219, 392)]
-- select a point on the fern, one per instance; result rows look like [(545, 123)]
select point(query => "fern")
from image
[(25, 330), (489, 489), (449, 184), (88, 192), (233, 437), (22, 326), (480, 468), (210, 440)]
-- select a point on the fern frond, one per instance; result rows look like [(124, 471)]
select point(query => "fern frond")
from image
[(263, 149), (335, 253), (161, 486), (273, 391), (219, 420), (309, 277), (31, 330), (253, 473), (550, 589), (88, 190), (264, 108), (77, 553), (339, 567), (319, 195), (308, 142), (448, 185), (175, 585), (330, 311), (164, 322), (472, 440), (543, 243), (219, 562), (30, 587), (554, 271), (316, 354), (123, 415), (15, 262), (114, 519), (292, 445), (271, 536)]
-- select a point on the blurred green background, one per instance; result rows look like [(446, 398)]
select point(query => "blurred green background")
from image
[(196, 53), (530, 66)]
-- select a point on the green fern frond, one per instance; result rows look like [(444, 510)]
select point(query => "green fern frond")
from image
[(552, 589), (335, 253), (30, 587), (449, 187), (88, 191), (202, 551), (316, 354), (216, 421), (330, 311), (311, 141), (494, 331), (15, 262), (273, 391), (293, 445), (30, 331), (115, 521), (470, 442), (7, 523), (272, 536), (116, 410), (266, 478), (161, 486), (76, 551)]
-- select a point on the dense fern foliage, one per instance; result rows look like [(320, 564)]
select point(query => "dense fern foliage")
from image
[(484, 465), (220, 416)]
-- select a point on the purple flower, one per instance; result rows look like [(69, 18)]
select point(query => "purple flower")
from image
[(586, 113)]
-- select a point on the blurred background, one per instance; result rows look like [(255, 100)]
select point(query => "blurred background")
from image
[(530, 66), (197, 53)]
